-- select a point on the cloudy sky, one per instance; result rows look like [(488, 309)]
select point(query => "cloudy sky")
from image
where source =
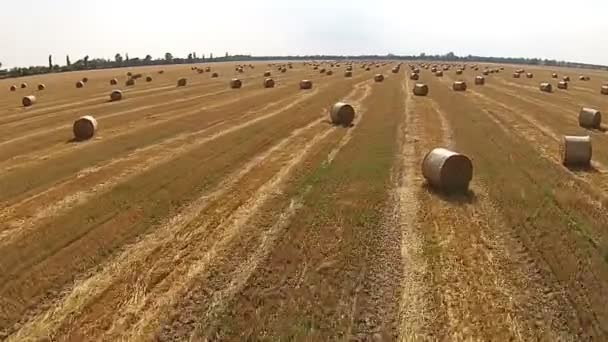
[(30, 30)]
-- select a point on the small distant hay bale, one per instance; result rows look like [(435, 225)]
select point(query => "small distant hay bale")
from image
[(439, 73), (283, 70), (305, 84), (459, 72), (41, 87), (23, 85), (85, 79), (546, 87), (604, 90), (113, 81), (459, 86), (566, 78), (161, 71), (349, 68), (316, 67), (416, 71), (149, 79), (267, 73), (84, 128), (329, 72), (516, 75), (130, 82), (576, 150), (215, 75), (368, 69), (235, 83), (28, 100), (200, 71), (584, 78), (116, 95), (322, 71), (13, 88), (348, 74), (129, 74), (480, 80), (589, 118), (79, 84), (414, 76), (182, 82), (342, 114), (554, 75), (529, 75), (378, 78), (207, 69), (447, 170), (562, 85), (421, 89), (395, 70), (269, 83)]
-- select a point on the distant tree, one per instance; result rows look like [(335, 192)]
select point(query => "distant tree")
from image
[(203, 57), (86, 61), (168, 56), (118, 58), (148, 59), (67, 60), (0, 64), (127, 57), (211, 56), (194, 55), (190, 57), (227, 55), (50, 62)]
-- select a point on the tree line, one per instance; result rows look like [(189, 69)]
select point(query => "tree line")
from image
[(120, 61)]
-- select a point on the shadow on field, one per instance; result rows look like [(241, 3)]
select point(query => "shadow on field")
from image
[(459, 197), (328, 122), (601, 129), (582, 168)]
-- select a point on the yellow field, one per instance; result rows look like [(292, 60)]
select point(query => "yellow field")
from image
[(204, 212)]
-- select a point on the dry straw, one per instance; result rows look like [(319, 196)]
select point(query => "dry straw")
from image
[(348, 74), (215, 75), (113, 81), (149, 79), (79, 84), (41, 87), (269, 83), (604, 90), (447, 170), (562, 85), (414, 76), (130, 82)]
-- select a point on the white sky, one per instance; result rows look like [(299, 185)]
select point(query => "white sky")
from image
[(30, 30)]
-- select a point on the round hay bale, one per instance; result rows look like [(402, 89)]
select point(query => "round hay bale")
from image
[(28, 100), (113, 81), (566, 78), (604, 90), (459, 86), (129, 74), (487, 72), (516, 75), (439, 73), (130, 82), (458, 71), (149, 79), (414, 76), (421, 89), (116, 95), (84, 128), (349, 68), (584, 78), (329, 73), (23, 85), (315, 67), (41, 87), (283, 70), (269, 83), (447, 170), (13, 88), (554, 75), (182, 82), (215, 75), (136, 76), (416, 71), (267, 73), (207, 69), (200, 71), (529, 75), (368, 69), (322, 71), (395, 70), (480, 80), (161, 71), (378, 78), (562, 85), (85, 79), (576, 150), (79, 84), (546, 87), (235, 83), (434, 69), (342, 114), (348, 74), (305, 84), (589, 118)]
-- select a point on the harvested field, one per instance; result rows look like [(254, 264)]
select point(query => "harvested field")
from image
[(204, 213)]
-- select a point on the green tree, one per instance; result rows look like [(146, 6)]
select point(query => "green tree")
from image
[(211, 56), (67, 60), (148, 59), (50, 62), (168, 56), (189, 57), (86, 61), (118, 58)]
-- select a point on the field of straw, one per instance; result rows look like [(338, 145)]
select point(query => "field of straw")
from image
[(208, 211)]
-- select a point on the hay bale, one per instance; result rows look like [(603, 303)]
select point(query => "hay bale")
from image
[(269, 83), (395, 70), (149, 79), (215, 75), (283, 70), (207, 69), (200, 71), (439, 73), (546, 87), (84, 128), (480, 80), (566, 78), (23, 85), (447, 170), (85, 79), (113, 81), (421, 89), (267, 73), (416, 71), (459, 86), (576, 150), (28, 100), (589, 118), (378, 78), (604, 90), (584, 78), (529, 75), (235, 83), (130, 82), (305, 84), (161, 71), (41, 87), (554, 75), (182, 82), (116, 95), (434, 69), (316, 67), (562, 85), (79, 84), (129, 74), (458, 71), (516, 75), (348, 74), (414, 76), (322, 71), (329, 72), (13, 88), (368, 69), (342, 114)]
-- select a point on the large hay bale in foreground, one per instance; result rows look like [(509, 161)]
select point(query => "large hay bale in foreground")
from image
[(459, 86), (113, 81), (267, 73), (182, 82), (116, 95), (79, 84), (23, 85), (421, 89), (447, 170), (516, 75), (348, 74), (235, 83), (84, 128), (28, 100), (342, 114), (480, 80), (130, 82), (41, 87), (604, 90), (269, 83), (562, 85), (414, 76), (305, 84), (378, 78), (576, 150), (589, 118), (13, 88), (546, 87)]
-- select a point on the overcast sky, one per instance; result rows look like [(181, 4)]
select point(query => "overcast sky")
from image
[(30, 30)]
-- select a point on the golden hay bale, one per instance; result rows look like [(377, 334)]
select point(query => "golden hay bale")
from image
[(215, 75), (480, 80), (149, 79), (316, 67), (290, 66), (589, 118), (116, 95), (576, 150), (459, 72), (305, 84), (161, 71), (322, 71), (529, 75), (349, 68), (416, 71), (200, 71), (447, 170), (129, 74), (235, 83), (136, 76), (554, 75), (85, 79), (446, 68), (130, 82), (84, 128), (283, 70), (566, 78), (269, 83), (182, 82), (459, 86), (267, 73), (79, 84), (207, 69), (395, 70), (342, 114), (368, 69), (562, 85), (348, 74), (439, 73), (516, 75), (414, 76), (23, 85), (421, 89), (13, 88), (604, 90), (546, 87), (41, 87), (28, 100), (329, 73), (434, 69), (113, 81), (584, 78), (378, 78)]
